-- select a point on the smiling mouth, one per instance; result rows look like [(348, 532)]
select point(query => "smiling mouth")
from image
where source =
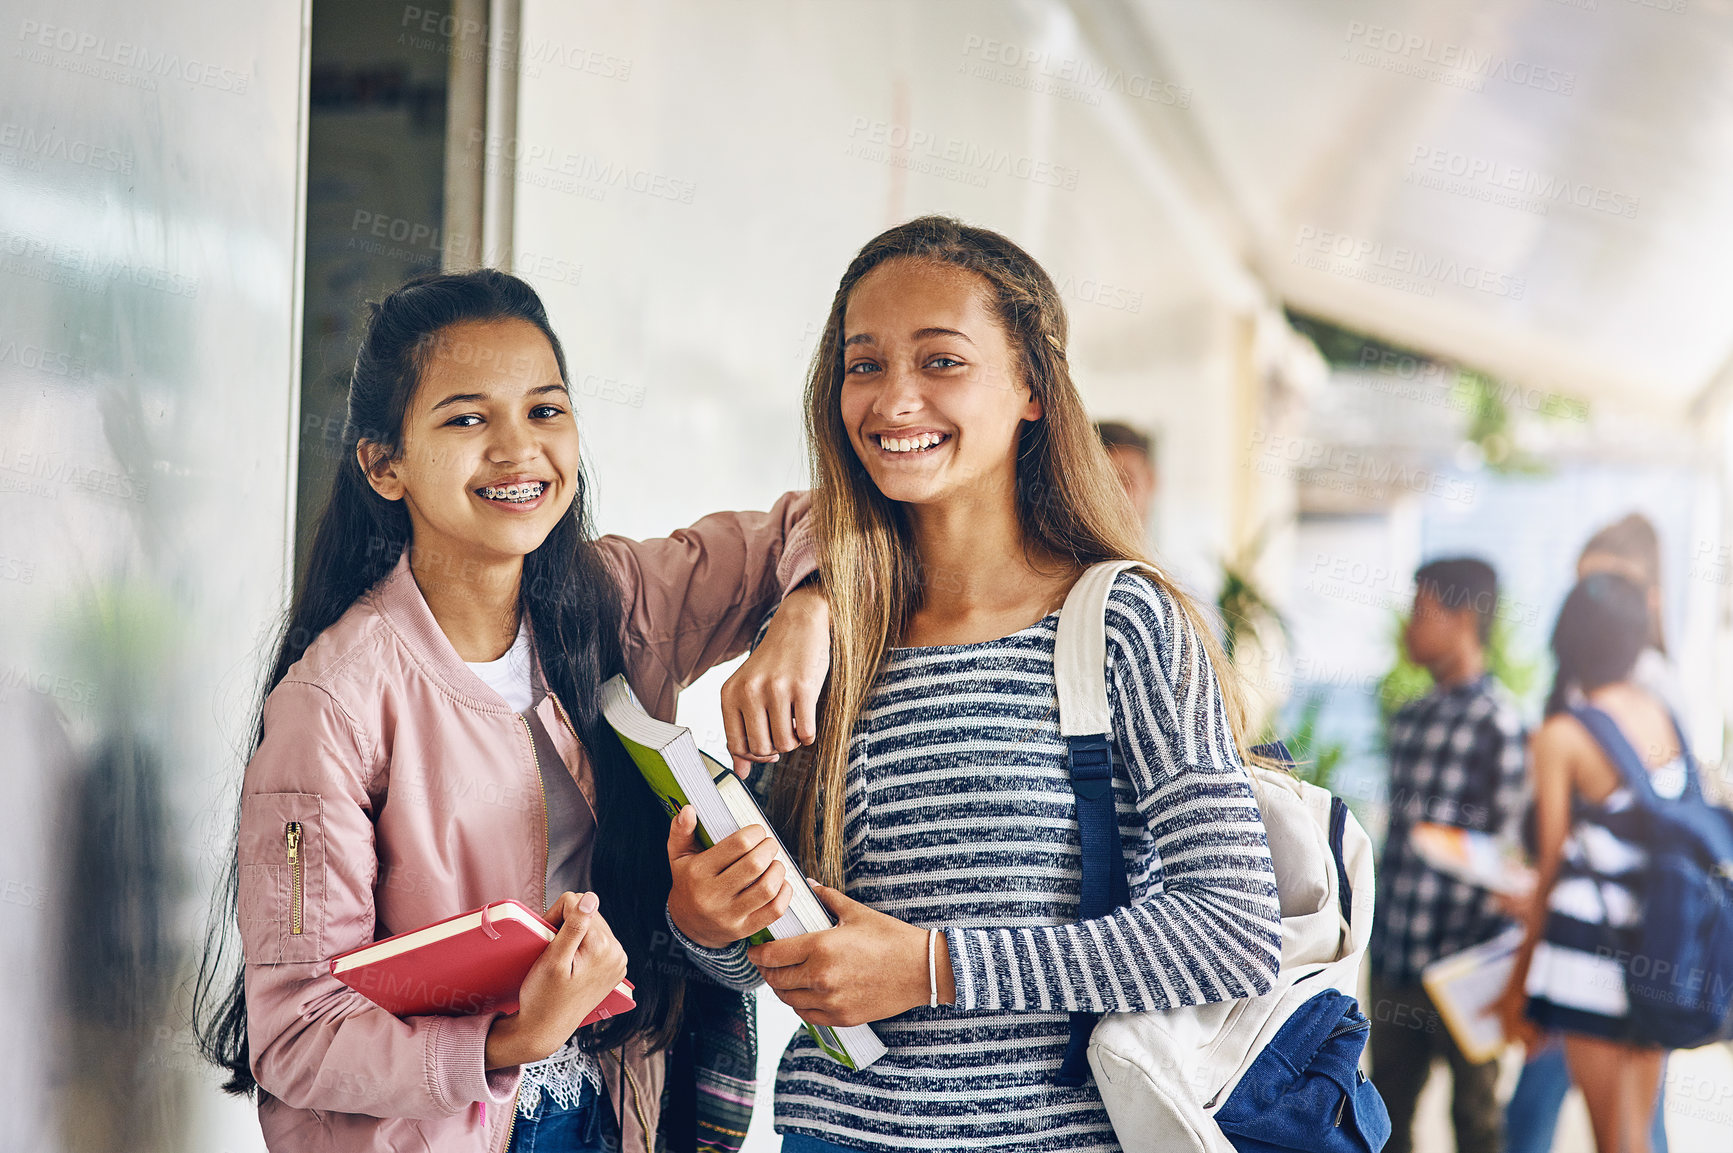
[(513, 493), (911, 445)]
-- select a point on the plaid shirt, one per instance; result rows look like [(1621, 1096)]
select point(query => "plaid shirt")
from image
[(1457, 757)]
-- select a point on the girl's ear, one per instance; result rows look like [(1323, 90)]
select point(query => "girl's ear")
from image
[(379, 469), (1033, 409)]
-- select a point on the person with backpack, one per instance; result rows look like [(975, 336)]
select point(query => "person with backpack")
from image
[(961, 491), (1630, 548), (1608, 745), (1457, 757), (430, 741)]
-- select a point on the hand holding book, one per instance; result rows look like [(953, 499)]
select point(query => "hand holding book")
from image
[(868, 967), (551, 976), (579, 967), (682, 776), (730, 892), (1475, 857)]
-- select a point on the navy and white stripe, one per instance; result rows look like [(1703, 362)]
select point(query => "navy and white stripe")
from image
[(1576, 977), (959, 815)]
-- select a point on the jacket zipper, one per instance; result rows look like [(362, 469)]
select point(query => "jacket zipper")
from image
[(292, 844), (1343, 1028), (536, 760), (560, 711), (541, 788), (511, 1122), (637, 1104)]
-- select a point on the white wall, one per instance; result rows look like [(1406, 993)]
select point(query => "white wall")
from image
[(712, 168)]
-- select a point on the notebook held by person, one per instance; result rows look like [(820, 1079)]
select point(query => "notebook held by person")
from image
[(474, 962)]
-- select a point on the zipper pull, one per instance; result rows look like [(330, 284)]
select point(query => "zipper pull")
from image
[(292, 842)]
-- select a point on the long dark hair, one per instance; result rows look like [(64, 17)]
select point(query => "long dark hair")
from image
[(575, 615), (1601, 630)]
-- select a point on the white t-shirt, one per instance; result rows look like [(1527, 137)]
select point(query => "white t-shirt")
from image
[(571, 831), (511, 675)]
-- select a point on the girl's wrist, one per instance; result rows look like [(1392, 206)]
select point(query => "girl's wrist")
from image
[(808, 600), (508, 1045), (701, 939), (935, 981)]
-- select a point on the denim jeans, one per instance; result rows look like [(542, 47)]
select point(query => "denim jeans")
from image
[(587, 1127), (1532, 1115)]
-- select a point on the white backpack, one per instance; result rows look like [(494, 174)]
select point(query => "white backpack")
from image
[(1166, 1075)]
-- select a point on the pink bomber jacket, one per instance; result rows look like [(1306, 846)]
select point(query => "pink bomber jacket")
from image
[(411, 793)]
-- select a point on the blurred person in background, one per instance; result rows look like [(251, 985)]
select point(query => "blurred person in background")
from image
[(1457, 757), (1133, 456), (1629, 547), (1587, 855)]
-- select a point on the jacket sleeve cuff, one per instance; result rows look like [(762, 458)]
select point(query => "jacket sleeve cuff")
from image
[(799, 558), (457, 1072)]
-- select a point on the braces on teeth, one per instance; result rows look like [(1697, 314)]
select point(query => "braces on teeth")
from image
[(515, 492)]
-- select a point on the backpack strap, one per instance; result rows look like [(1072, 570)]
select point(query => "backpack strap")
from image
[(1613, 742), (1629, 766), (1693, 782), (1086, 723), (1338, 833)]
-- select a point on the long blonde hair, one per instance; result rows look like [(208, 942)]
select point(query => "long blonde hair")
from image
[(1069, 506)]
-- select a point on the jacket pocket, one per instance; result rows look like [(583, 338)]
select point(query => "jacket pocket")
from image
[(282, 878)]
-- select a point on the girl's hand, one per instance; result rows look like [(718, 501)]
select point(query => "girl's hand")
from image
[(1512, 1011), (869, 967), (580, 966), (729, 891), (1519, 907), (770, 704)]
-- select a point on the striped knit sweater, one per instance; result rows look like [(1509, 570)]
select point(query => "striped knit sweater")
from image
[(959, 815)]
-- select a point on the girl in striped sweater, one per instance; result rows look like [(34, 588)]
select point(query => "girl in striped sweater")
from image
[(960, 492)]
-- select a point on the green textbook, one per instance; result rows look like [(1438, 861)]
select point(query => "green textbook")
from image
[(681, 774)]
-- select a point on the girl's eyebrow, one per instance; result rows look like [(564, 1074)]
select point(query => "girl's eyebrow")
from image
[(920, 334), (482, 397), (460, 398)]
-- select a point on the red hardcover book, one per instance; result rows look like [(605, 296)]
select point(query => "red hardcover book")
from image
[(474, 962)]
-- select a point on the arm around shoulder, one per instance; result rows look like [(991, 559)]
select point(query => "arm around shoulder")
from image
[(695, 598)]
